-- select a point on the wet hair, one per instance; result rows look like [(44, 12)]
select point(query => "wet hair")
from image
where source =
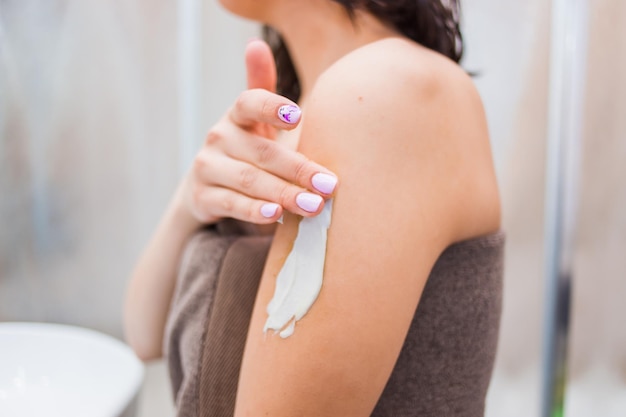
[(431, 23)]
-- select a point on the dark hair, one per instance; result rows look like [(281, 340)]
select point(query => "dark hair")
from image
[(431, 23)]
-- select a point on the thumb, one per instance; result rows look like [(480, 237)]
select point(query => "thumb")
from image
[(260, 66)]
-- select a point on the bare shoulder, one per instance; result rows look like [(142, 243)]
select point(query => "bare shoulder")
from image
[(418, 117), (399, 71), (413, 163)]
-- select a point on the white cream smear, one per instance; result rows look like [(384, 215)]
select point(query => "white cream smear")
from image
[(300, 280)]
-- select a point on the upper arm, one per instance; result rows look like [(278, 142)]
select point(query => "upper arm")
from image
[(392, 217)]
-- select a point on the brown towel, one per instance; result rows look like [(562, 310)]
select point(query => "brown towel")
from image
[(443, 369)]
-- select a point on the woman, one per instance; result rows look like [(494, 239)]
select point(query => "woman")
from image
[(399, 139)]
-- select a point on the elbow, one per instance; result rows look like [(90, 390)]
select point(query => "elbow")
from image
[(146, 353), (144, 347), (147, 345)]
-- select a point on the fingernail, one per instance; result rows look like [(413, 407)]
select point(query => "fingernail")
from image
[(253, 38), (281, 219), (324, 183), (269, 209), (309, 202), (289, 113)]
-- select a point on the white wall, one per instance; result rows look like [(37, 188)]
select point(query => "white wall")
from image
[(89, 145)]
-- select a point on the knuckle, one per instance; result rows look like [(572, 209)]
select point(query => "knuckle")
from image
[(284, 195), (301, 170), (197, 197), (251, 211), (227, 204), (200, 165), (241, 102), (247, 177), (213, 137), (268, 108), (265, 151)]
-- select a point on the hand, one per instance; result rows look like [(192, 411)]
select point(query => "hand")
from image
[(241, 172)]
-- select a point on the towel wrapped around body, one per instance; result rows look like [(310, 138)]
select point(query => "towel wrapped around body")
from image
[(443, 369)]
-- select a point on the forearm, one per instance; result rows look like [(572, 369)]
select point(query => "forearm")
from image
[(152, 283)]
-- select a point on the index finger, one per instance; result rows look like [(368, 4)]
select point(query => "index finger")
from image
[(261, 106)]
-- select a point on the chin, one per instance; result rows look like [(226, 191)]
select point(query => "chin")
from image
[(249, 9)]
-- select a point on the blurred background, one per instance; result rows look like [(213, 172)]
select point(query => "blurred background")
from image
[(96, 129)]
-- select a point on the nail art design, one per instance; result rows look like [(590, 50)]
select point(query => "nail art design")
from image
[(289, 113)]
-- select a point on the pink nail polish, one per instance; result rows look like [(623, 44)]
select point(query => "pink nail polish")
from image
[(269, 210), (289, 113), (309, 202), (324, 183)]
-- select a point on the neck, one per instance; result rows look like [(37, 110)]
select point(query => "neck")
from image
[(318, 33)]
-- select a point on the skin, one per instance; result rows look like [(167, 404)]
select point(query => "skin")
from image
[(435, 174), (404, 130), (240, 167)]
